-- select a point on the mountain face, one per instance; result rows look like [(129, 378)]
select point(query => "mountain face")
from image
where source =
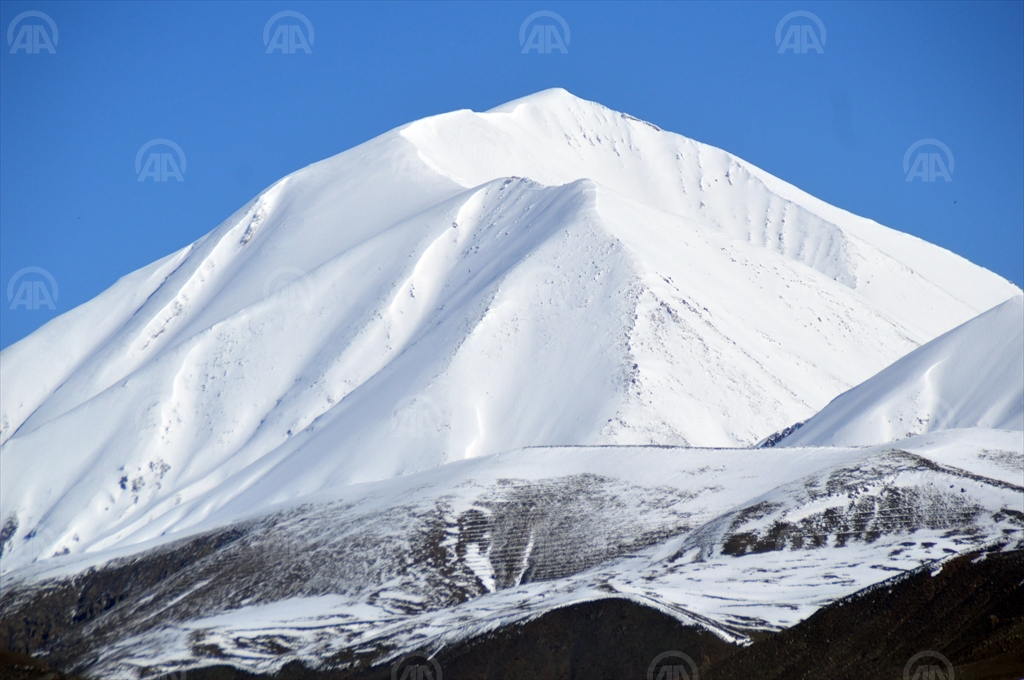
[(483, 365), (547, 273)]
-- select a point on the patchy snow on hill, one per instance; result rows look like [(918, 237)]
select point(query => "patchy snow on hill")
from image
[(728, 539)]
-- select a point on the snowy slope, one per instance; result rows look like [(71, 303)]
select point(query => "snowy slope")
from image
[(547, 273), (973, 376), (731, 540)]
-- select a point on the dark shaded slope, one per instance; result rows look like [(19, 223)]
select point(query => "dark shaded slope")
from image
[(18, 666), (971, 612), (611, 638)]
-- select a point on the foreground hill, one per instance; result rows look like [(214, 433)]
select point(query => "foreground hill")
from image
[(735, 542), (967, 609)]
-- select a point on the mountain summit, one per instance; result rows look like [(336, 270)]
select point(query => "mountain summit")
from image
[(486, 366), (548, 273)]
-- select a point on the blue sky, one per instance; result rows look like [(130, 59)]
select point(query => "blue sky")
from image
[(836, 123)]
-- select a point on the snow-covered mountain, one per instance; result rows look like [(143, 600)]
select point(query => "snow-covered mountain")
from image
[(479, 366), (550, 272), (973, 376)]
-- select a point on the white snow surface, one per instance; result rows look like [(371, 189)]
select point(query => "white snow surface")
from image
[(972, 376), (547, 273)]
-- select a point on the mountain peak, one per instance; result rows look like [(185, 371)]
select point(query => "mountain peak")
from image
[(553, 98), (406, 304)]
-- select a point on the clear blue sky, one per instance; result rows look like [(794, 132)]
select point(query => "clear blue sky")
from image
[(836, 124)]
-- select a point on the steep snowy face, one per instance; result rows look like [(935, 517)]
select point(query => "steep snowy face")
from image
[(547, 273), (973, 376), (554, 138)]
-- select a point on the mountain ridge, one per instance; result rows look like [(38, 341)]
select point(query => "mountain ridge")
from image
[(968, 377), (369, 316)]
